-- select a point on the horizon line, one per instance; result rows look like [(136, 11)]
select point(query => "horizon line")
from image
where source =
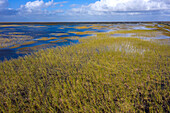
[(85, 22)]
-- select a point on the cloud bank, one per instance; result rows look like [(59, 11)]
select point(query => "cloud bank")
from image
[(31, 8), (101, 10), (102, 7)]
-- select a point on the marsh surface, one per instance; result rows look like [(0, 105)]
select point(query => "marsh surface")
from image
[(106, 72), (21, 39)]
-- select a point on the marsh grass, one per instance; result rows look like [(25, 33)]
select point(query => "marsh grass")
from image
[(139, 33), (83, 32), (16, 33), (13, 40), (101, 74), (10, 25), (60, 34), (35, 26), (162, 41), (42, 46), (82, 27), (46, 38), (161, 27), (25, 43), (74, 37), (58, 41)]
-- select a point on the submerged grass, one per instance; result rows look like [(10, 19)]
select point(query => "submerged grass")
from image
[(101, 74)]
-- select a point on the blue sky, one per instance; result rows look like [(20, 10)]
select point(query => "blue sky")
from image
[(84, 10)]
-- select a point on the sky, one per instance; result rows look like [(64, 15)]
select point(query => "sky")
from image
[(84, 10)]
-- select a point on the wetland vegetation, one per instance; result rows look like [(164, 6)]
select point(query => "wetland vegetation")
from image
[(101, 73)]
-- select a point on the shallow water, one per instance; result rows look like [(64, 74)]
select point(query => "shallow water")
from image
[(122, 35), (6, 54), (143, 28), (33, 36), (30, 38)]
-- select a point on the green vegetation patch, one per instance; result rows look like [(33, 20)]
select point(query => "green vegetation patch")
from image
[(101, 74), (139, 33)]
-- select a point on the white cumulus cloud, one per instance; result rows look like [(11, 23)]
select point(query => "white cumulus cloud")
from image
[(38, 6), (35, 5), (108, 6)]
